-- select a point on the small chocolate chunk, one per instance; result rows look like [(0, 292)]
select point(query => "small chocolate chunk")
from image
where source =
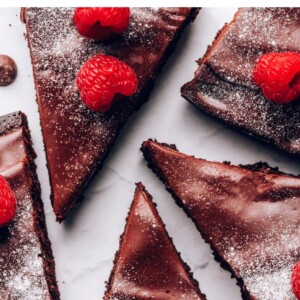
[(8, 70)]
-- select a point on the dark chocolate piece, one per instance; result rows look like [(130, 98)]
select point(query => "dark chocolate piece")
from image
[(8, 70), (250, 215), (223, 85), (77, 140), (147, 265), (27, 268)]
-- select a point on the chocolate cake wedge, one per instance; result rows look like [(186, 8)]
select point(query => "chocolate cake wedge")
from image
[(77, 140), (250, 215), (223, 86), (27, 268), (147, 265)]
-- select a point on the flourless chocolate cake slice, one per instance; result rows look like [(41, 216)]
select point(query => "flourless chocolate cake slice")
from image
[(27, 268), (223, 86), (147, 265), (77, 140), (250, 215)]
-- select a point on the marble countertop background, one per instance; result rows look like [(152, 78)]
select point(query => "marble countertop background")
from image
[(84, 246)]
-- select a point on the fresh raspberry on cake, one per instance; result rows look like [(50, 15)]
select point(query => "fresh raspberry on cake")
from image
[(296, 280), (101, 23), (278, 76), (8, 203), (102, 79)]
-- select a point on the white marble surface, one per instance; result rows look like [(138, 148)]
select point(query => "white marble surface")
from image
[(84, 246)]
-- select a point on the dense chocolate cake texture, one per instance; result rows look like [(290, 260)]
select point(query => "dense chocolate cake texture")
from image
[(147, 265), (249, 215), (27, 269), (223, 86), (77, 140)]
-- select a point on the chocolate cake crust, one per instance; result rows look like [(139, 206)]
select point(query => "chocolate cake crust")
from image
[(223, 86), (27, 268), (77, 140), (147, 264), (248, 214)]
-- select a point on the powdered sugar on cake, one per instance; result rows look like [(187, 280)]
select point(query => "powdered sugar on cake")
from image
[(261, 242), (223, 86), (77, 139), (267, 274), (255, 31), (147, 265), (251, 219), (67, 43), (21, 270)]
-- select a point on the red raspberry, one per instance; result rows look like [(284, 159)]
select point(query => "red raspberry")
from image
[(101, 23), (278, 75), (8, 203), (101, 78), (296, 280)]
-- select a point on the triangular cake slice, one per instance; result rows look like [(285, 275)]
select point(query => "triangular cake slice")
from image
[(27, 268), (223, 85), (77, 140), (147, 265), (250, 215)]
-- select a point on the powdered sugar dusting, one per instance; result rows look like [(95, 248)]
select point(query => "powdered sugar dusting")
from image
[(225, 88), (21, 265), (253, 113), (255, 31), (267, 272), (59, 33), (77, 139), (148, 265), (252, 219)]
